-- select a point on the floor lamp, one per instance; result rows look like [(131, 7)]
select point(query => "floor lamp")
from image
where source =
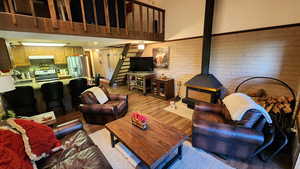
[(6, 84)]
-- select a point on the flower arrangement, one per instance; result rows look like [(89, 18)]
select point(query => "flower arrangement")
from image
[(139, 120)]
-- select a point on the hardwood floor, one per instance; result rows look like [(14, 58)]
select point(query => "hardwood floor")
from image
[(154, 107)]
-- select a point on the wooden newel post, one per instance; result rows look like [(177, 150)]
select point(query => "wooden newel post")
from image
[(53, 14)]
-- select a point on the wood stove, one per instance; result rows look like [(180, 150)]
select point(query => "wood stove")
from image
[(204, 87)]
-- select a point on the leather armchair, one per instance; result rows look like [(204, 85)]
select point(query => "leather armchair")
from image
[(214, 131), (96, 113)]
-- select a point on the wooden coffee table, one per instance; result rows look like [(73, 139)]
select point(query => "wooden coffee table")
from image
[(153, 145)]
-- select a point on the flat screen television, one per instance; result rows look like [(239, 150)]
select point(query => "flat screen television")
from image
[(141, 64)]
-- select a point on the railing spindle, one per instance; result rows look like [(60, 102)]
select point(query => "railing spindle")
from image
[(12, 10), (69, 13), (52, 13), (159, 22), (83, 15), (95, 15), (126, 19), (106, 12), (33, 12), (6, 9), (133, 18), (141, 19), (148, 24), (153, 19), (117, 15), (163, 22)]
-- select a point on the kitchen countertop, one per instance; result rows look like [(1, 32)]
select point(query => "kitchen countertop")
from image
[(37, 85)]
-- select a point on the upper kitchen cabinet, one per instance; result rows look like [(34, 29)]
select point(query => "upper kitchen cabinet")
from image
[(19, 56), (59, 55), (73, 51)]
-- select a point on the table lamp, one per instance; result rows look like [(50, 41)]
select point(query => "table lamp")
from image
[(6, 84)]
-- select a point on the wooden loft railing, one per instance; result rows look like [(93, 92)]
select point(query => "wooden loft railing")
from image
[(126, 19)]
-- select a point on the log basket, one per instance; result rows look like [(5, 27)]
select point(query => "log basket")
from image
[(284, 120)]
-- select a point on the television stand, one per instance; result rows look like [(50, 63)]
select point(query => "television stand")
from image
[(140, 81)]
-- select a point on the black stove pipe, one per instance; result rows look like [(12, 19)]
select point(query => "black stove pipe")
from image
[(207, 36)]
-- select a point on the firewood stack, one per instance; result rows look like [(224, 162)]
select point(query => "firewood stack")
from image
[(279, 107), (276, 105)]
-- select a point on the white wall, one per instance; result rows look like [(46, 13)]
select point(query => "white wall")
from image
[(185, 18), (233, 15)]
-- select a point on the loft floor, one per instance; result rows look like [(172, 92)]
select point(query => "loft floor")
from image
[(155, 107)]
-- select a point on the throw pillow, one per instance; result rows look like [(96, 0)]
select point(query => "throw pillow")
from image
[(39, 140), (12, 151)]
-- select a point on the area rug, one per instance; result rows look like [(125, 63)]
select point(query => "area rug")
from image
[(121, 158), (181, 110)]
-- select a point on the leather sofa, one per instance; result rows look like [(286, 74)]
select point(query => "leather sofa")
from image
[(79, 152), (213, 130), (95, 113)]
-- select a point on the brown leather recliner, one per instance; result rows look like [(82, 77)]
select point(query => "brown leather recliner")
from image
[(96, 113), (214, 131)]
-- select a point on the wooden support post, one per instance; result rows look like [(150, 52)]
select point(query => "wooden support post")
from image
[(141, 18), (148, 24), (106, 12), (117, 15), (83, 15), (33, 13), (53, 13), (69, 13), (12, 11), (95, 15)]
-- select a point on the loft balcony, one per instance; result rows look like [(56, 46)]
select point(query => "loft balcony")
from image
[(124, 19)]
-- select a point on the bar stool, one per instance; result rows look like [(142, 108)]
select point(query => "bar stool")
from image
[(21, 101), (53, 94), (77, 86)]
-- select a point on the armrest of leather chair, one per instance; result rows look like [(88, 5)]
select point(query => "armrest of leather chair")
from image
[(97, 108), (67, 128), (118, 97), (228, 132)]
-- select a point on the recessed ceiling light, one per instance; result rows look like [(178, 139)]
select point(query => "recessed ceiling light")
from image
[(42, 44)]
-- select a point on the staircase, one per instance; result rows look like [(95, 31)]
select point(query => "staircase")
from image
[(119, 77)]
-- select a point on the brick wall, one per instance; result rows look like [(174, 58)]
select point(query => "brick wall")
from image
[(235, 57), (273, 53)]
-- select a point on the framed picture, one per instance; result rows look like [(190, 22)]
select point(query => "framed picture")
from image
[(161, 57)]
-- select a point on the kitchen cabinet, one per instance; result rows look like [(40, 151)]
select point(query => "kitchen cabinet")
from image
[(59, 56), (19, 56)]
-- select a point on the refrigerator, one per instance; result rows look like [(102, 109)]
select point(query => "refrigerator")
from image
[(78, 66)]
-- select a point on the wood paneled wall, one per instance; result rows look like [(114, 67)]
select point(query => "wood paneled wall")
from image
[(274, 52)]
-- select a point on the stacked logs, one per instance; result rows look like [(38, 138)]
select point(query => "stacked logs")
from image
[(272, 104)]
